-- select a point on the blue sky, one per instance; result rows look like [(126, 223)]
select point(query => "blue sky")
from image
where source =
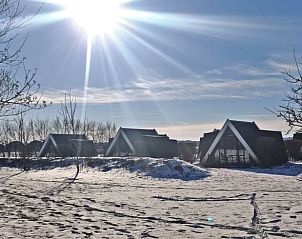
[(181, 66)]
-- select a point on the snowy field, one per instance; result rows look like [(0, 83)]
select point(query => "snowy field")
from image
[(145, 198)]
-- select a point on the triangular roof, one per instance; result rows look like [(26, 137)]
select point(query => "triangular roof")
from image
[(249, 134), (137, 134), (62, 143), (133, 137), (144, 142), (244, 131)]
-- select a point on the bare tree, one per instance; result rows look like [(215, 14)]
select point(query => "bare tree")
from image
[(110, 130), (16, 96), (101, 132), (78, 126), (20, 128), (291, 108), (56, 125), (10, 129), (6, 131), (68, 113), (31, 129), (84, 124), (91, 129), (42, 127)]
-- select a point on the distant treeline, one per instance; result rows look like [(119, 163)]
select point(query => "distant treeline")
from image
[(26, 130)]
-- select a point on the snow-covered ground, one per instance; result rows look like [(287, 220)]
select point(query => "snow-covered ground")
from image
[(147, 198)]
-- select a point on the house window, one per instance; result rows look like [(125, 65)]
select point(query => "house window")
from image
[(229, 151)]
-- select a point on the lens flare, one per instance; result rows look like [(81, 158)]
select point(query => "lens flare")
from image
[(95, 16)]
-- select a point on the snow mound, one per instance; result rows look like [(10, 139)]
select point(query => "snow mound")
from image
[(157, 168)]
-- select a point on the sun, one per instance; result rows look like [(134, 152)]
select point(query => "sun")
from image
[(96, 17)]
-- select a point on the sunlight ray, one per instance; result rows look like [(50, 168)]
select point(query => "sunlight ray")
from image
[(180, 20), (161, 40), (224, 27), (111, 64), (87, 74), (125, 108), (48, 18), (208, 25), (131, 24), (143, 31), (129, 58), (105, 73), (132, 61), (159, 53)]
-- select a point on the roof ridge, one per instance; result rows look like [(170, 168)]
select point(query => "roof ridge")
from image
[(242, 121), (137, 128)]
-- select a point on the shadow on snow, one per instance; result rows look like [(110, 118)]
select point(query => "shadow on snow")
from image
[(287, 169)]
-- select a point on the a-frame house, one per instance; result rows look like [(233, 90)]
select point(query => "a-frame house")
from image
[(142, 143), (241, 143), (67, 145)]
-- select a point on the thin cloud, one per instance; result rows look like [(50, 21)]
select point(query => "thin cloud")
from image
[(237, 81), (173, 89), (267, 70), (281, 63)]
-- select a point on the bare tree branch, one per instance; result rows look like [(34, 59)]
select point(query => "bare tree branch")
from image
[(19, 91), (291, 109)]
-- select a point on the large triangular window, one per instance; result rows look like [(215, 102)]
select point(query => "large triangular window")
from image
[(229, 151)]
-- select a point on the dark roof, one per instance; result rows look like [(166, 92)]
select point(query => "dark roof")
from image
[(249, 132), (270, 148), (246, 125), (34, 145), (68, 145), (206, 141), (65, 137), (15, 146), (262, 142), (160, 146), (147, 142), (136, 137), (134, 134), (258, 139)]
